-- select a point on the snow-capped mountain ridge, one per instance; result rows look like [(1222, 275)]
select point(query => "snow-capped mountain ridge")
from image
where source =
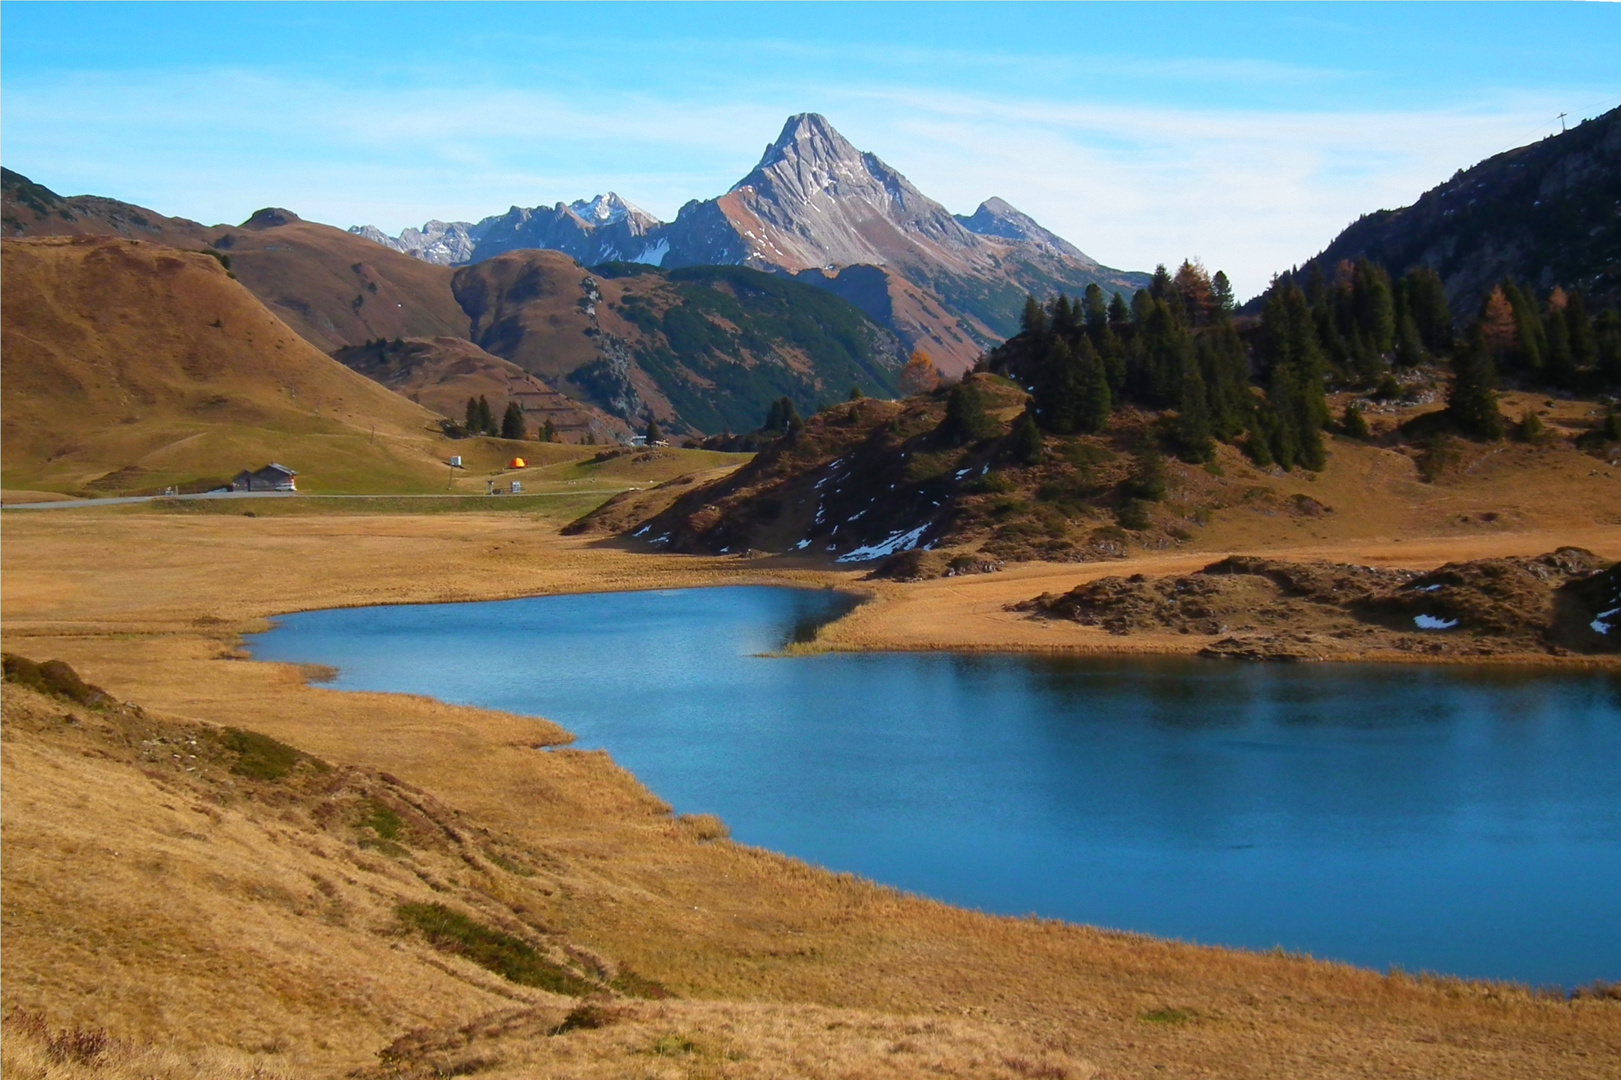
[(812, 207)]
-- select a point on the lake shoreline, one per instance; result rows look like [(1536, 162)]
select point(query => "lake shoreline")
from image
[(152, 607)]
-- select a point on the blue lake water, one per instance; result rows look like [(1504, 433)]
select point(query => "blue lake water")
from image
[(1464, 821)]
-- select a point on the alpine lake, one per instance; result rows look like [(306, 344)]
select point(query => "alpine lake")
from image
[(1464, 821)]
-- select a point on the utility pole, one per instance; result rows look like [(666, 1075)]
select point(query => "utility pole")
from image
[(1562, 122)]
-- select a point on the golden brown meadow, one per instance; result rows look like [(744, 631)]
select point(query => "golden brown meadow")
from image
[(212, 922)]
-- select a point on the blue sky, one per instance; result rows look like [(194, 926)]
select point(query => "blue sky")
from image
[(1246, 135)]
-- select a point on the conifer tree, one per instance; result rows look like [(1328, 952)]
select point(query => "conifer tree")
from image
[(1094, 312), (1375, 309), (1583, 347), (1119, 314), (1471, 402), (1096, 402), (1409, 342), (1353, 422), (1221, 298), (1059, 388), (548, 432), (855, 394), (1146, 480), (1025, 445), (1527, 358), (1034, 319), (1159, 286), (474, 425), (775, 419), (654, 432), (1558, 365), (512, 425), (1191, 431), (486, 419), (1427, 302), (966, 420)]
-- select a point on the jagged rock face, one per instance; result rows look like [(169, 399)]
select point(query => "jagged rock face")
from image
[(443, 243), (604, 229), (996, 218), (816, 203)]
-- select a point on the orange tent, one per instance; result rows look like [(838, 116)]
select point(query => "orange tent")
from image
[(516, 463)]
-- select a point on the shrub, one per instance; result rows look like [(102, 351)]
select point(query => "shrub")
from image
[(1134, 514), (509, 957), (53, 677), (1530, 428), (259, 757)]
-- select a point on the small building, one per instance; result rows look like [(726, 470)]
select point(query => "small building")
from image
[(517, 488), (272, 477)]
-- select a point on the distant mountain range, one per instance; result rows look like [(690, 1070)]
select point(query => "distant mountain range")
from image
[(703, 349), (1545, 214), (813, 207)]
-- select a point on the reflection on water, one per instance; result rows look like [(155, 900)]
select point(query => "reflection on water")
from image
[(1465, 821)]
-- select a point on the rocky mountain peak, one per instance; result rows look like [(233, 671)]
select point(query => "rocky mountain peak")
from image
[(609, 209), (996, 217)]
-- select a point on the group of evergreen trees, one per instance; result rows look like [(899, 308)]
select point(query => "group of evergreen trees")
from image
[(481, 421), (1175, 347), (782, 418)]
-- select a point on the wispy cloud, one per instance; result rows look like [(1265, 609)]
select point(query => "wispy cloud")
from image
[(1249, 190)]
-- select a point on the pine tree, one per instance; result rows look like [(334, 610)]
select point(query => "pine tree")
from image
[(1353, 423), (1558, 365), (1059, 388), (855, 394), (548, 432), (512, 425), (474, 425), (1096, 400), (1034, 319), (1583, 347), (1427, 302), (1374, 306), (775, 419), (1527, 358), (486, 419), (966, 420), (1409, 342), (1094, 312), (1191, 430), (1471, 402), (654, 432), (1146, 480), (1221, 298), (1025, 445), (1119, 314)]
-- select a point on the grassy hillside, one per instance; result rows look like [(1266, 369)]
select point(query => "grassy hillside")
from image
[(890, 484), (337, 289), (130, 366), (442, 373), (30, 209), (705, 349)]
